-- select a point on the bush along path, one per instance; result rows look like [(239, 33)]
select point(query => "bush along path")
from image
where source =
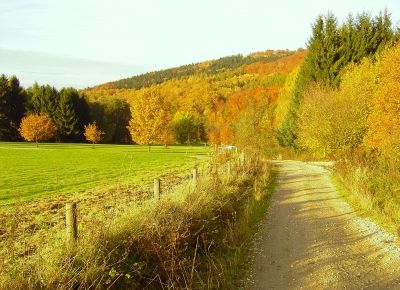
[(192, 236), (312, 239)]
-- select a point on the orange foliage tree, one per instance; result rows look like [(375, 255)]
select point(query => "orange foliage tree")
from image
[(151, 118), (227, 135), (36, 128), (93, 134)]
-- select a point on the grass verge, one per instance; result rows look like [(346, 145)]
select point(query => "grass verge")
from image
[(371, 187)]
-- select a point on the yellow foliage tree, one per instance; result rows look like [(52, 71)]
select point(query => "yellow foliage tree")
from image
[(92, 133), (254, 128), (151, 118), (284, 97), (314, 119), (36, 128), (384, 120), (330, 120)]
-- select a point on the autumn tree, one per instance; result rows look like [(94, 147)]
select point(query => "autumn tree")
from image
[(254, 128), (93, 134), (315, 119), (285, 94), (37, 128), (334, 119), (66, 108), (151, 116), (188, 128), (330, 49), (227, 135), (384, 121)]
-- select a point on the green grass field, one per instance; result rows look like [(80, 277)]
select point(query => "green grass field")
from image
[(56, 168)]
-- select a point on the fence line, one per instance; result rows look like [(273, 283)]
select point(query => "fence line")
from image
[(71, 207)]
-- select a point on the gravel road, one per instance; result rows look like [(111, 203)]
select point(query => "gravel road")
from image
[(312, 239)]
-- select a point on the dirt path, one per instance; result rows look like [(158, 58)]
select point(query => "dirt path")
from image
[(313, 240)]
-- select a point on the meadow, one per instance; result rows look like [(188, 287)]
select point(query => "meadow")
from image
[(194, 236), (28, 172)]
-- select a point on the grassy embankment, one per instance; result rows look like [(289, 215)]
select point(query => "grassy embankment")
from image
[(372, 187), (195, 238)]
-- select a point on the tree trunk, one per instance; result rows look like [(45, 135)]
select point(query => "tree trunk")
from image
[(149, 148)]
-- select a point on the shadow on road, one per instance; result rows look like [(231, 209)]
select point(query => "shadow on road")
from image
[(311, 240)]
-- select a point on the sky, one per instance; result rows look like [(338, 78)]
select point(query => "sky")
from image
[(83, 43)]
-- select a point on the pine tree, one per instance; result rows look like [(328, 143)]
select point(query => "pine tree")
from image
[(65, 117), (5, 106), (330, 50), (12, 107), (17, 105), (83, 115), (43, 100)]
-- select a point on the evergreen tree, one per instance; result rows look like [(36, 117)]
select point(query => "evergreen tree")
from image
[(5, 106), (330, 50), (12, 108), (82, 112), (43, 100), (383, 33), (65, 117), (17, 106)]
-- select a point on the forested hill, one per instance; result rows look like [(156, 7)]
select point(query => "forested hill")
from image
[(211, 67), (213, 92)]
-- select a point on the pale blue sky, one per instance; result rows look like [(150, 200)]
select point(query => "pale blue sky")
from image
[(83, 43)]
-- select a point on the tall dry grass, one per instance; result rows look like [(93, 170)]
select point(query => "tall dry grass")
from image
[(192, 238), (372, 186)]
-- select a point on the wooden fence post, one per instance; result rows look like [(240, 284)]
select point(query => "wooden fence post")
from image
[(71, 223), (194, 176), (157, 185)]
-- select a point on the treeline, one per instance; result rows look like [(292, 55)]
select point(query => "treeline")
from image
[(331, 49), (67, 109), (208, 68), (209, 103), (208, 106)]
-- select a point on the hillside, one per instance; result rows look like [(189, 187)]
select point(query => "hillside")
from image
[(211, 67), (214, 91)]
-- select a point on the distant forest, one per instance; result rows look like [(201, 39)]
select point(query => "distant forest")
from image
[(224, 63)]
